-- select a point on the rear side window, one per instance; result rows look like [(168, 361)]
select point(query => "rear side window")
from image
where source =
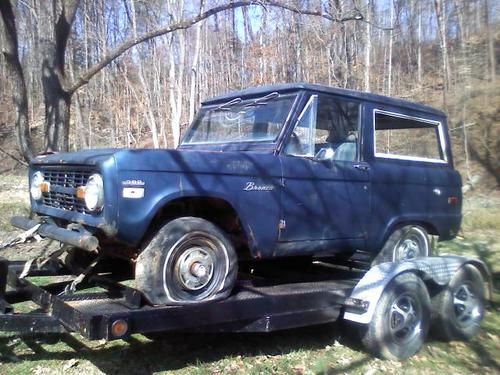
[(403, 137)]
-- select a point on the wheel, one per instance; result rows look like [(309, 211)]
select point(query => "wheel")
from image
[(405, 243), (401, 319), (189, 260), (458, 309)]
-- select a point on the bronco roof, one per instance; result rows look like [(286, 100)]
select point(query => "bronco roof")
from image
[(289, 87)]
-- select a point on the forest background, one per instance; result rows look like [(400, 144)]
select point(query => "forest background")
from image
[(125, 73)]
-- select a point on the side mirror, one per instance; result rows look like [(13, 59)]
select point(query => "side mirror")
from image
[(324, 154)]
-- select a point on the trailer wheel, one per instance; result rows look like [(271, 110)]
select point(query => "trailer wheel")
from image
[(405, 243), (189, 260), (458, 309), (401, 320)]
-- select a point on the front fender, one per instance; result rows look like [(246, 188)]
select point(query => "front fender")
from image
[(159, 190), (136, 215)]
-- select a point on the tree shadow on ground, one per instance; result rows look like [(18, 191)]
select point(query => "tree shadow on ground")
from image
[(484, 356), (177, 351)]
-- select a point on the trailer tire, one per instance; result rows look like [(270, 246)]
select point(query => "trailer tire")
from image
[(458, 309), (401, 320), (188, 261), (403, 244)]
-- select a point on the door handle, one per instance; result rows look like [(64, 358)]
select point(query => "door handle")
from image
[(362, 167)]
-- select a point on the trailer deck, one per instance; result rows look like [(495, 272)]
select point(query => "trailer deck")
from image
[(264, 300)]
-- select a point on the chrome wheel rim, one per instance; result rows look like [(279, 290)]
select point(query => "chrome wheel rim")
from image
[(195, 267), (467, 306), (405, 318), (413, 244)]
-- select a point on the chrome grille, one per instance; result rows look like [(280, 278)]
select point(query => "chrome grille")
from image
[(63, 183)]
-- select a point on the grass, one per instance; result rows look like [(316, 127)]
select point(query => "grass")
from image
[(13, 200), (330, 349), (327, 349), (14, 209), (481, 219)]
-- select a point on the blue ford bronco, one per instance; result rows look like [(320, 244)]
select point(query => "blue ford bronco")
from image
[(277, 171)]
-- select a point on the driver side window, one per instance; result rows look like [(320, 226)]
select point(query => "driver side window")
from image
[(326, 129), (301, 141)]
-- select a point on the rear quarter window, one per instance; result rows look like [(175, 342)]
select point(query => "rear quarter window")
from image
[(398, 136)]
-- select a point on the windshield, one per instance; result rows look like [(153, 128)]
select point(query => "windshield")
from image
[(252, 120)]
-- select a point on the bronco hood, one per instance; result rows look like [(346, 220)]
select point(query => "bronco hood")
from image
[(163, 160), (87, 157), (191, 161)]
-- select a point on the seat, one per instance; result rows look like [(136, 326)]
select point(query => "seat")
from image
[(347, 150)]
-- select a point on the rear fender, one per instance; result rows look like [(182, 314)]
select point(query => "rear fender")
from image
[(439, 270)]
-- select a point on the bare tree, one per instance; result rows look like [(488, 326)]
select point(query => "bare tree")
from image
[(194, 67), (59, 89), (20, 95), (439, 6), (491, 43), (391, 43), (368, 45)]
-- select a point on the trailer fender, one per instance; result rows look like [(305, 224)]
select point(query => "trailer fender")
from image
[(439, 270)]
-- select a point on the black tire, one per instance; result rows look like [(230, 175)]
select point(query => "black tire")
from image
[(401, 319), (404, 243), (458, 309), (188, 261)]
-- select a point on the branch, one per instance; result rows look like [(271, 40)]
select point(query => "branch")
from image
[(377, 26), (354, 15), (13, 157)]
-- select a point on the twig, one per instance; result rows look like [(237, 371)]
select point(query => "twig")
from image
[(13, 157)]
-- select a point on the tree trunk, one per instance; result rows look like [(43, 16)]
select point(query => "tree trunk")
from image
[(419, 44), (57, 109), (491, 44), (20, 94), (391, 42), (194, 67), (57, 100), (368, 46), (441, 21)]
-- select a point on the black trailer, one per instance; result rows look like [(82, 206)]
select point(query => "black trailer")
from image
[(105, 306)]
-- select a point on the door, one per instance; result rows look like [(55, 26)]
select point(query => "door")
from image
[(412, 178), (326, 191)]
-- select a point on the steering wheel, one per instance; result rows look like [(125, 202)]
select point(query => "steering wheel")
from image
[(325, 153)]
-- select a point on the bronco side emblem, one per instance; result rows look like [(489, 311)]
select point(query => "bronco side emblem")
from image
[(251, 186)]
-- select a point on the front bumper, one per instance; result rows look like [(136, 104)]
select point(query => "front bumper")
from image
[(78, 237)]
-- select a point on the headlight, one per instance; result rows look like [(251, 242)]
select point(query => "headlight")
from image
[(94, 193), (38, 186)]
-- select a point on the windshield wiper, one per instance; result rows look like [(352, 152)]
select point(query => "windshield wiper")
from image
[(263, 100), (254, 103), (229, 104)]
